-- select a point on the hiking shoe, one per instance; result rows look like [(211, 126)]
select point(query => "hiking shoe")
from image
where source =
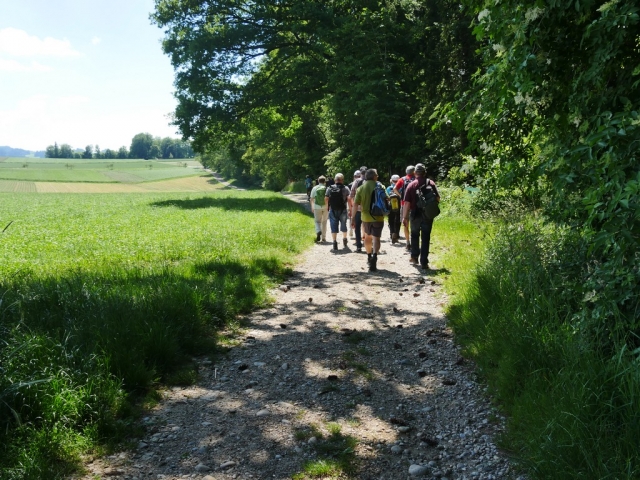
[(408, 246), (335, 245), (318, 235), (413, 260), (373, 264), (425, 266), (345, 242), (359, 250), (324, 239), (394, 238)]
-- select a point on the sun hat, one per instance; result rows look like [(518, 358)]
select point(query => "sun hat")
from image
[(395, 178)]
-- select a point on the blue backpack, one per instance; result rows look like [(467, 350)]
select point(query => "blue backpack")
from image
[(379, 202)]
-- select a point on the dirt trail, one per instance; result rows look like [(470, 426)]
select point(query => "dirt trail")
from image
[(364, 355)]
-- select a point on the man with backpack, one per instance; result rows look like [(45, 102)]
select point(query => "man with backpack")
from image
[(373, 224), (400, 189), (419, 211), (319, 208), (336, 199)]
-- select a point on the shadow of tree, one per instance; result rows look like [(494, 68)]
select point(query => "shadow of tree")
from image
[(239, 203)]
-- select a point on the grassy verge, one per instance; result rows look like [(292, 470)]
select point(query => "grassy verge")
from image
[(335, 452), (572, 406), (295, 187), (102, 296)]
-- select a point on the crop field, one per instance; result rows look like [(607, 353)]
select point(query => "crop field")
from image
[(95, 171), (102, 296)]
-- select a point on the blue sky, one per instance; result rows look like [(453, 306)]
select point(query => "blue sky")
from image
[(82, 72)]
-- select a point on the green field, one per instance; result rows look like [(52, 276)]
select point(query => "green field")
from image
[(96, 171), (102, 296)]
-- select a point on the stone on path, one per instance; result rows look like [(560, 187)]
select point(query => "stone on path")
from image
[(418, 470)]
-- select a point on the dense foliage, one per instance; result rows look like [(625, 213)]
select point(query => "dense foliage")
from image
[(281, 89), (555, 117)]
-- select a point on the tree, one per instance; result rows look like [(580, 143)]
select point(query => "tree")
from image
[(123, 152), (88, 152), (50, 152), (109, 154), (154, 151), (66, 151), (97, 152), (141, 146), (354, 79)]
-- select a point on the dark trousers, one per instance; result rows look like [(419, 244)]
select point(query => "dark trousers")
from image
[(357, 226), (394, 222), (420, 227)]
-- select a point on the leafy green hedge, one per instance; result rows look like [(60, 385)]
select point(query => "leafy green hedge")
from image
[(572, 404)]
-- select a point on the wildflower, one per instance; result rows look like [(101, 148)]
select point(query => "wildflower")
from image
[(533, 13), (484, 13), (499, 48)]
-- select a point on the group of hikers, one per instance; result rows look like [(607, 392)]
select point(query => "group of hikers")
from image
[(410, 201)]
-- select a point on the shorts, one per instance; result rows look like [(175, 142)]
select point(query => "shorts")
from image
[(337, 221), (373, 228)]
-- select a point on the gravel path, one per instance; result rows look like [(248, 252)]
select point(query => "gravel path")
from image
[(368, 355)]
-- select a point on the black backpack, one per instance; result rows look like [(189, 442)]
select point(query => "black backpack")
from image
[(336, 198), (427, 201)]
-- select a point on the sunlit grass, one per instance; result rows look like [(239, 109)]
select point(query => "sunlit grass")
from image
[(100, 171), (103, 296)]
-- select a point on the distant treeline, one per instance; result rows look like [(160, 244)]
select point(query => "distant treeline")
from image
[(143, 145), (6, 151)]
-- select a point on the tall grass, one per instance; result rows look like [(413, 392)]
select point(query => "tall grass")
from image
[(104, 295), (572, 407), (295, 187)]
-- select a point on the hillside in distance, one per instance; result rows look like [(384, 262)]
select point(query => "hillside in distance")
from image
[(6, 151)]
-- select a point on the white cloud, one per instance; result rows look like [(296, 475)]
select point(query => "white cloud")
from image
[(96, 40), (20, 44), (15, 66)]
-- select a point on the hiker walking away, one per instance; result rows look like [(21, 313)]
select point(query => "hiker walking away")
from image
[(420, 224), (309, 184), (350, 206), (337, 200), (394, 214), (372, 225), (401, 186), (356, 210), (319, 209)]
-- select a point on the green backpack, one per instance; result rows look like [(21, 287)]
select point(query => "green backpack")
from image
[(320, 192)]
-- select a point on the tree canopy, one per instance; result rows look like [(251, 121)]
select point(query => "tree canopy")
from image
[(309, 85)]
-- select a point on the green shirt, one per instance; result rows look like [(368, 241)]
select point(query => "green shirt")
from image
[(363, 197)]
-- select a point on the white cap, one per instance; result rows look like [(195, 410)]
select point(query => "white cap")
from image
[(395, 178), (357, 173)]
